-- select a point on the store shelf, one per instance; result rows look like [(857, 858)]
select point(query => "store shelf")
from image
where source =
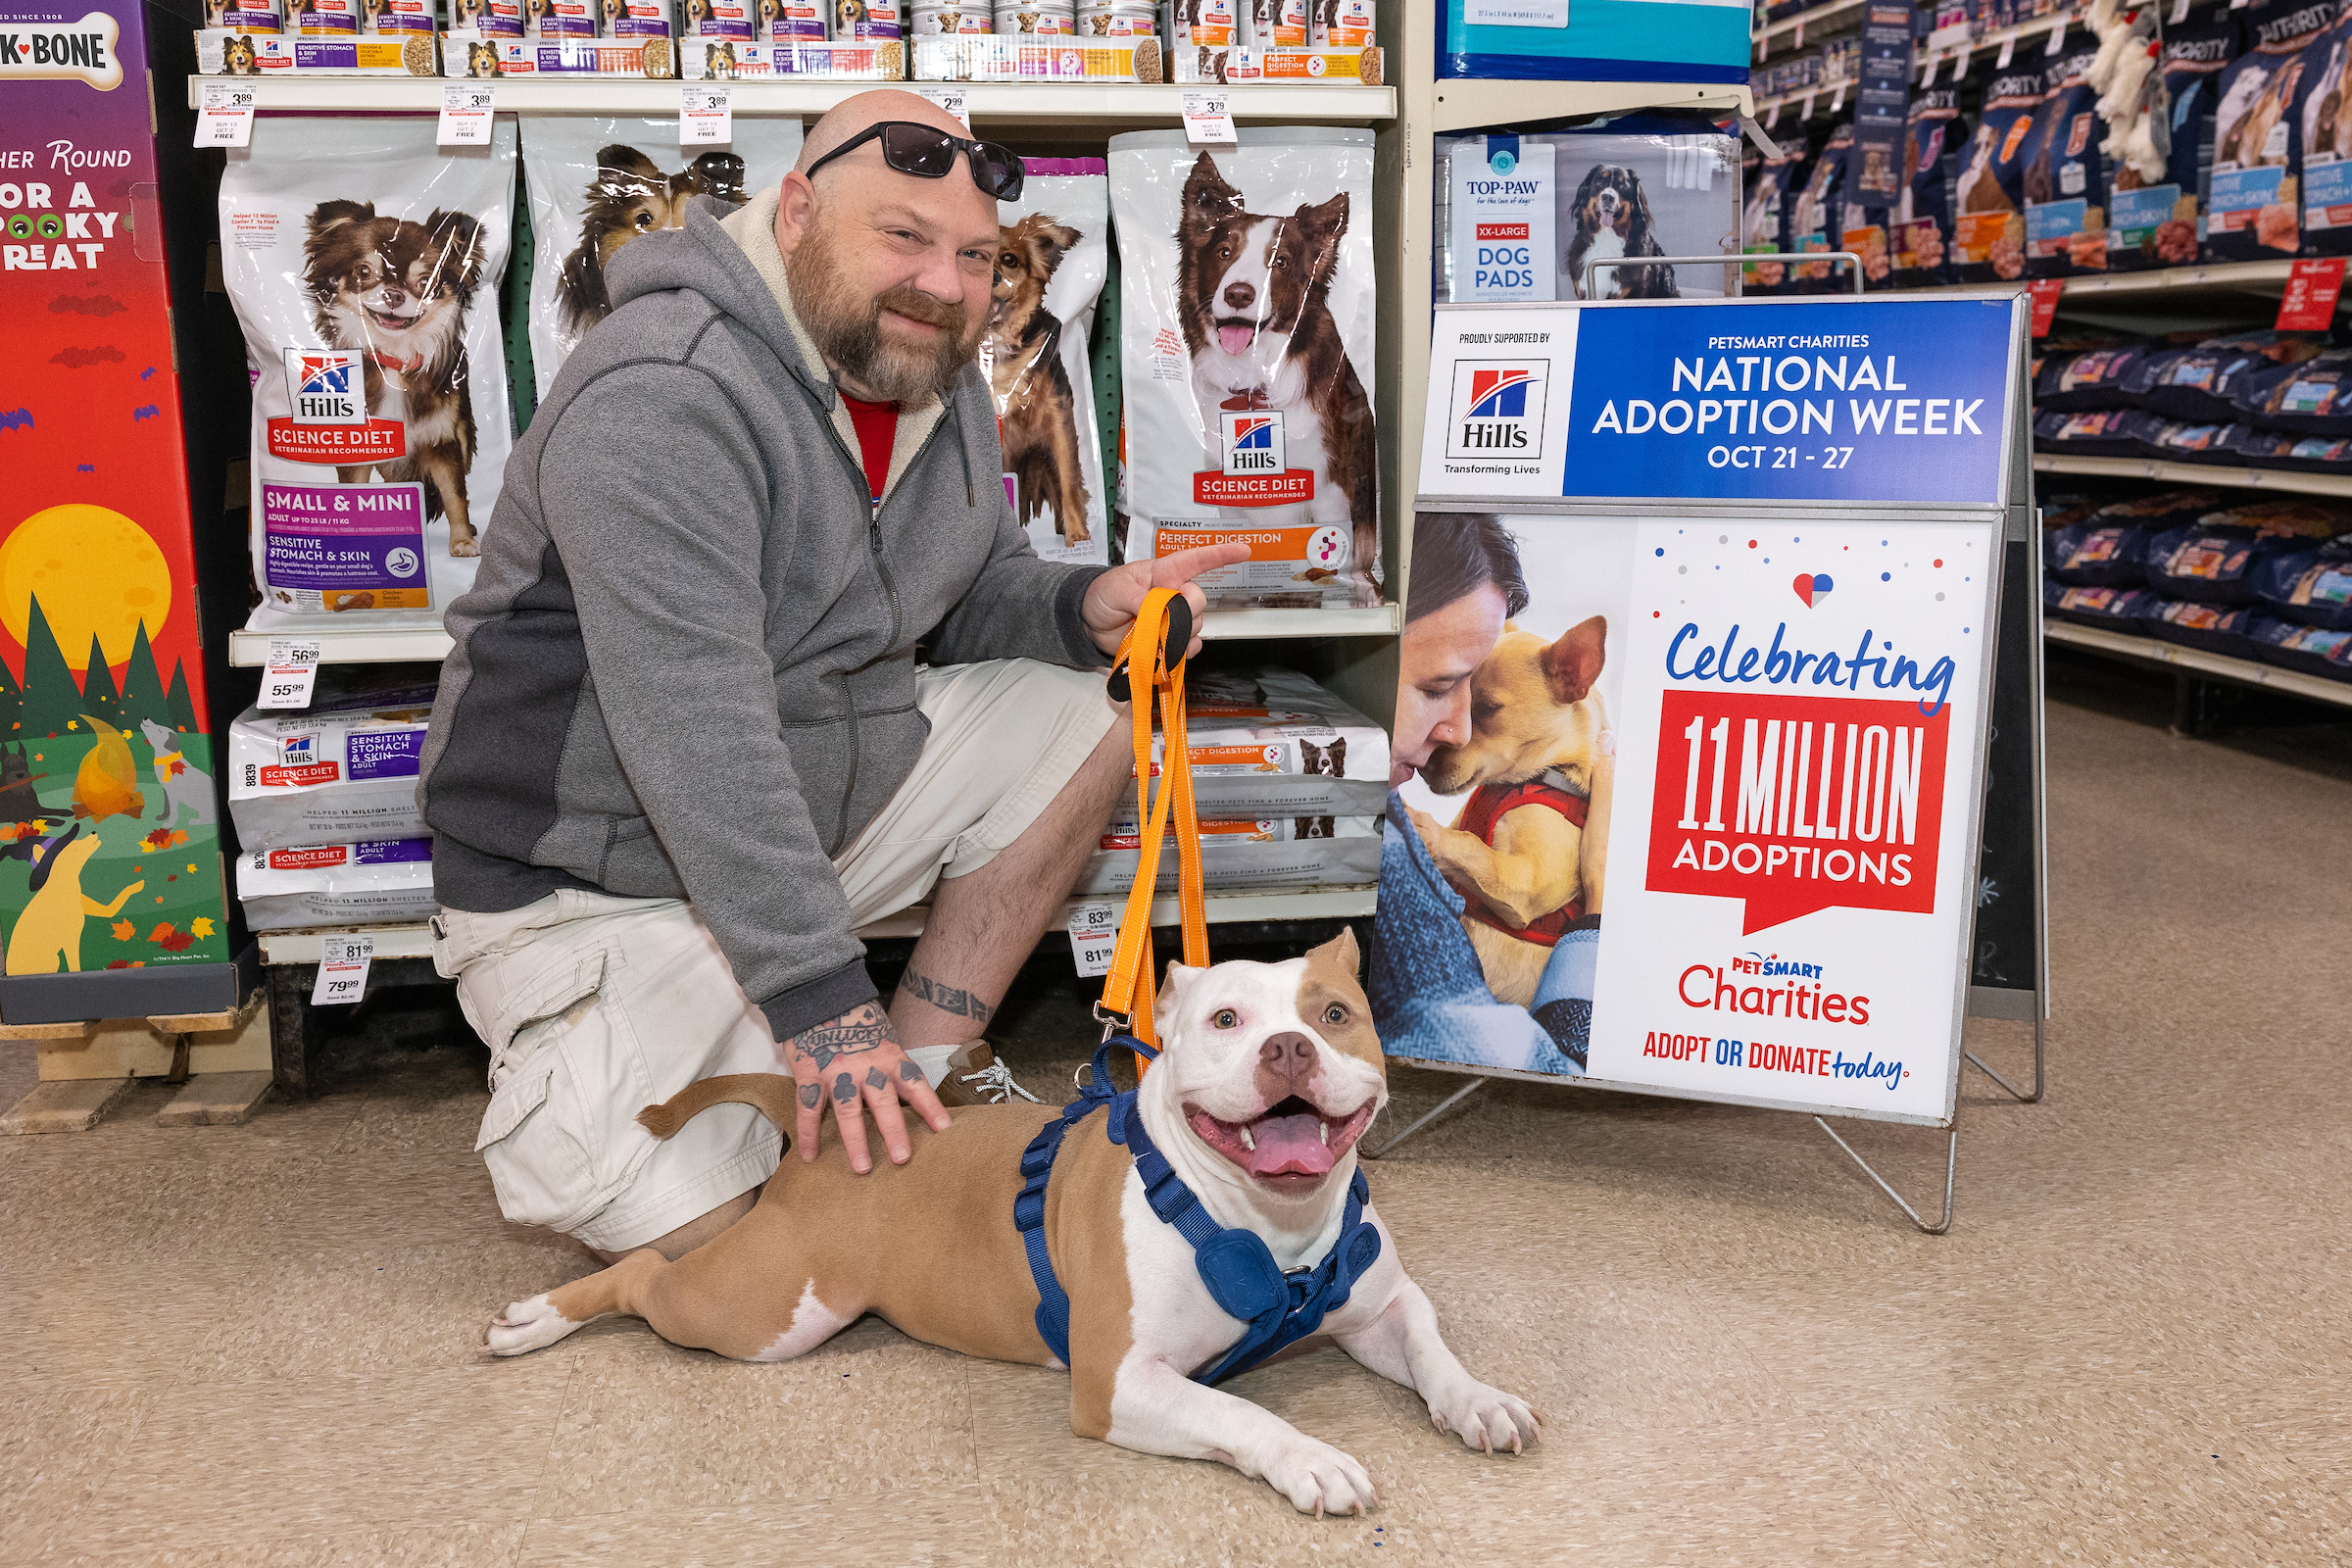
[(390, 941), (1465, 105), (2197, 660), (2030, 40), (1815, 19), (1072, 104), (2195, 473), (1382, 620)]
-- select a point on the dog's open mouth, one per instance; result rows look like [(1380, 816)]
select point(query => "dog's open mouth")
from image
[(389, 320), (1292, 1145), (1235, 334)]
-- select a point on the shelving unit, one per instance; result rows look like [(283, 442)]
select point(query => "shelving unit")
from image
[(2197, 661), (2196, 473), (2025, 39)]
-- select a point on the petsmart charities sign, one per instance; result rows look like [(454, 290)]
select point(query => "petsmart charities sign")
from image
[(1796, 697)]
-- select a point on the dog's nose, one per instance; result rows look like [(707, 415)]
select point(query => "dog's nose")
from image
[(1285, 1062), (1241, 296)]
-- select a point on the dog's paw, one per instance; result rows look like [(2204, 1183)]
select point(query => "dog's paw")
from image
[(1320, 1479), (527, 1326), (463, 548), (1486, 1419)]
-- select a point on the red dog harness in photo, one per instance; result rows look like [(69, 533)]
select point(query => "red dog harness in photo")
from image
[(1489, 805)]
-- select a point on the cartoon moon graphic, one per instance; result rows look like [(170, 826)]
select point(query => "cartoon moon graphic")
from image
[(97, 573)]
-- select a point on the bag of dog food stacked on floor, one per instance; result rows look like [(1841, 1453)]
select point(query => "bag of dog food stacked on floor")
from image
[(1991, 194), (2324, 137), (1764, 222), (1247, 316), (1049, 271), (371, 882), (2157, 224), (2253, 209), (338, 772), (2066, 174), (1276, 853), (2197, 381), (2118, 610), (365, 265), (597, 184), (1922, 221)]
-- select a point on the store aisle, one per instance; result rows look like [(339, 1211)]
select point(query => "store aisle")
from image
[(255, 1345)]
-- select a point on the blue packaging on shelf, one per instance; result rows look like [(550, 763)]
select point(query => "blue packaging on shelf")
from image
[(2311, 583), (2090, 380), (2311, 398), (2215, 628), (1598, 40), (2124, 610), (2313, 650), (2197, 381), (2211, 562)]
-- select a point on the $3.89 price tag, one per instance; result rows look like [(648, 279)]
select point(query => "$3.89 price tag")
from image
[(465, 110), (290, 675), (342, 971), (705, 116), (226, 117), (1094, 937)]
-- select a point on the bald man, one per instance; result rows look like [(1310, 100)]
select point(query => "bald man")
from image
[(687, 743)]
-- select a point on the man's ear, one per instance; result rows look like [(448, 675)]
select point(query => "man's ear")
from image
[(796, 212)]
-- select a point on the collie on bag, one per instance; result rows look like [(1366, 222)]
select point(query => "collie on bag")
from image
[(364, 263), (597, 184), (1247, 323)]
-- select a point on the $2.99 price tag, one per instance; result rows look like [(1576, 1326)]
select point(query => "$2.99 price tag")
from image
[(290, 675), (342, 971), (1094, 937)]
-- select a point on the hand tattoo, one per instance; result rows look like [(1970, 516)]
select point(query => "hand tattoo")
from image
[(874, 1079), (843, 1091), (908, 1072), (861, 1029), (810, 1094), (947, 998)]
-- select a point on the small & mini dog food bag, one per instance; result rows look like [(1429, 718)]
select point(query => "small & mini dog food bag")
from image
[(376, 880), (364, 263), (1247, 326), (340, 770), (1053, 255), (597, 184)]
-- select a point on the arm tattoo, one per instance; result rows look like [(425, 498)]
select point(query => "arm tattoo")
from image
[(947, 998), (811, 1095), (860, 1030), (874, 1079), (844, 1090)]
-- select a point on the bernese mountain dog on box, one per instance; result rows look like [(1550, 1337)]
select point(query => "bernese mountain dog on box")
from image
[(1612, 220)]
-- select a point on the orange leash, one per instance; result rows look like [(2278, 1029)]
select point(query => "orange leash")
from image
[(1154, 675)]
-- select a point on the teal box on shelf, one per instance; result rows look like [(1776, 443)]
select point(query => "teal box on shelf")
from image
[(1595, 40)]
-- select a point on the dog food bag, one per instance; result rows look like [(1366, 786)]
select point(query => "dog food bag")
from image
[(2160, 225), (2093, 379), (1764, 222), (2253, 209), (2120, 609), (2324, 137), (2294, 454), (2310, 583), (2200, 380), (1277, 852), (2216, 628), (596, 184), (2065, 175), (2188, 440), (364, 263), (2314, 649), (1271, 743), (373, 882), (2092, 433), (1991, 223), (1054, 257), (2310, 397), (1922, 218), (340, 770), (1247, 320), (2211, 562), (1818, 222), (2109, 545)]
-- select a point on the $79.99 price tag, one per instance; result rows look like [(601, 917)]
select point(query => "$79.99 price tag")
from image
[(342, 971)]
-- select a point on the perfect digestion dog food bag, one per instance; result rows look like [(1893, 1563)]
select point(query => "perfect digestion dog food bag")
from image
[(597, 184), (2252, 211), (1053, 257), (1247, 320), (373, 881), (341, 770), (365, 264), (1991, 225), (1271, 743)]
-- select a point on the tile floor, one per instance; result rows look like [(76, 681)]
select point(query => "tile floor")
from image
[(254, 1345)]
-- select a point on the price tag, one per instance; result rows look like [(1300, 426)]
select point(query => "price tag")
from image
[(1962, 59), (290, 673), (1927, 77), (226, 118), (342, 971), (2008, 53), (1094, 937), (1838, 99), (705, 116), (1207, 121), (2179, 13), (2057, 37), (2312, 287), (1804, 110), (1800, 33), (2045, 292), (1772, 117), (464, 116), (951, 99)]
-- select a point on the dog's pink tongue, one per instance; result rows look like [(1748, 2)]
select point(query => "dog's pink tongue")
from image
[(1288, 1145), (1236, 339)]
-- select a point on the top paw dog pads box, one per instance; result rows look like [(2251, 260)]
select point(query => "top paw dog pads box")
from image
[(365, 262), (1248, 327)]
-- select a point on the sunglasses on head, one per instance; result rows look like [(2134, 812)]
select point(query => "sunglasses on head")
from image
[(922, 150)]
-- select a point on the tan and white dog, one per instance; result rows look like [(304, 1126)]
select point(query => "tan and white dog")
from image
[(1539, 750), (1270, 1072)]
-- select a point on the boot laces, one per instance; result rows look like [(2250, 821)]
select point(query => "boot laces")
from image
[(995, 1084)]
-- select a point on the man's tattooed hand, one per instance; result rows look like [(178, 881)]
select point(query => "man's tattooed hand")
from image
[(945, 998), (849, 1035), (811, 1095), (854, 1062)]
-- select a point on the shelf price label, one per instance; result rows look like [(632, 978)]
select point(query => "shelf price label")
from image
[(465, 110), (2045, 292), (1207, 120), (342, 971), (2001, 61), (290, 673), (2312, 288), (226, 118), (705, 116), (1093, 938), (951, 99)]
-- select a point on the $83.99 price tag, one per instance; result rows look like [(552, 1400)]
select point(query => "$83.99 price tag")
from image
[(1094, 937)]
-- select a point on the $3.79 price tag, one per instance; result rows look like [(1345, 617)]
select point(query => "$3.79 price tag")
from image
[(290, 675), (1094, 937), (342, 971), (1207, 120)]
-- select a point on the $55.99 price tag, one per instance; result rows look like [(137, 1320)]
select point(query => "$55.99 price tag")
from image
[(342, 971), (290, 675), (1094, 937)]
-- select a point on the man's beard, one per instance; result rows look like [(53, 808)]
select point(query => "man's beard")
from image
[(848, 329)]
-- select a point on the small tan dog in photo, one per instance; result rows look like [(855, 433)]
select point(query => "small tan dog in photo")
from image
[(1530, 848)]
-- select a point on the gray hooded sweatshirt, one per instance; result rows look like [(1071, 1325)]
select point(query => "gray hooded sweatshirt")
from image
[(687, 666)]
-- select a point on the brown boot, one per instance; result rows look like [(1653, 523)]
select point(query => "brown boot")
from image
[(975, 1077)]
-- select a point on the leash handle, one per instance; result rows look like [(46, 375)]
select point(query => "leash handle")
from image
[(1150, 670)]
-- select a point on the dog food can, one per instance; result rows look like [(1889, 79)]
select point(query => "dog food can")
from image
[(635, 18), (727, 20), (950, 22), (1119, 19), (1341, 25), (329, 17), (1277, 24), (792, 21), (1043, 19), (854, 19), (492, 18), (568, 18), (1209, 25), (399, 16)]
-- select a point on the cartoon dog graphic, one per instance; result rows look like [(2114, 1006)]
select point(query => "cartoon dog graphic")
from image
[(398, 291), (1612, 220), (183, 783), (1035, 408), (1529, 850), (629, 195), (48, 934), (236, 56), (1252, 292)]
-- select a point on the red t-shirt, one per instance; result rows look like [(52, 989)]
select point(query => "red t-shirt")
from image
[(877, 425)]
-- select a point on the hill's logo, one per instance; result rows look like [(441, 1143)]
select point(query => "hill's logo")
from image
[(1497, 408), (1254, 442), (326, 386), (298, 751)]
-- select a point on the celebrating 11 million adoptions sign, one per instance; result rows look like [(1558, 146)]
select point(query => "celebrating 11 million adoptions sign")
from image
[(1704, 822)]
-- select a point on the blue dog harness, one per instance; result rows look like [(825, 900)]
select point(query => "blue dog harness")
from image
[(1236, 1266)]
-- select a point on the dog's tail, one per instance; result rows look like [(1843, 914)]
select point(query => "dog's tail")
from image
[(767, 1093)]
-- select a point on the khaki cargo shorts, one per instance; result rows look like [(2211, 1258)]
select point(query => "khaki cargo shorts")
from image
[(596, 1006)]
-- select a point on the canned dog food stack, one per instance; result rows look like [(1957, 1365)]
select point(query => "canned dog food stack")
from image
[(242, 15), (1204, 38), (567, 18), (952, 20), (1275, 24), (1117, 19), (328, 19), (636, 19), (400, 17), (856, 20), (720, 21), (1341, 25), (1048, 18), (493, 18)]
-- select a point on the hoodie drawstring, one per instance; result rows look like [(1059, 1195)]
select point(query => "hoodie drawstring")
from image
[(964, 447)]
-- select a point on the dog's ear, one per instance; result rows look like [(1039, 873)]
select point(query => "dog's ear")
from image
[(1589, 186), (1206, 193), (1322, 226), (1172, 987), (719, 174), (1573, 663), (621, 169), (459, 237), (1641, 223), (1045, 239), (1341, 951), (334, 214)]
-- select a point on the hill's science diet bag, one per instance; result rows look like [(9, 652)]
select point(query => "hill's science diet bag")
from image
[(1052, 256), (1247, 326), (596, 184), (341, 770), (374, 881), (364, 263)]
